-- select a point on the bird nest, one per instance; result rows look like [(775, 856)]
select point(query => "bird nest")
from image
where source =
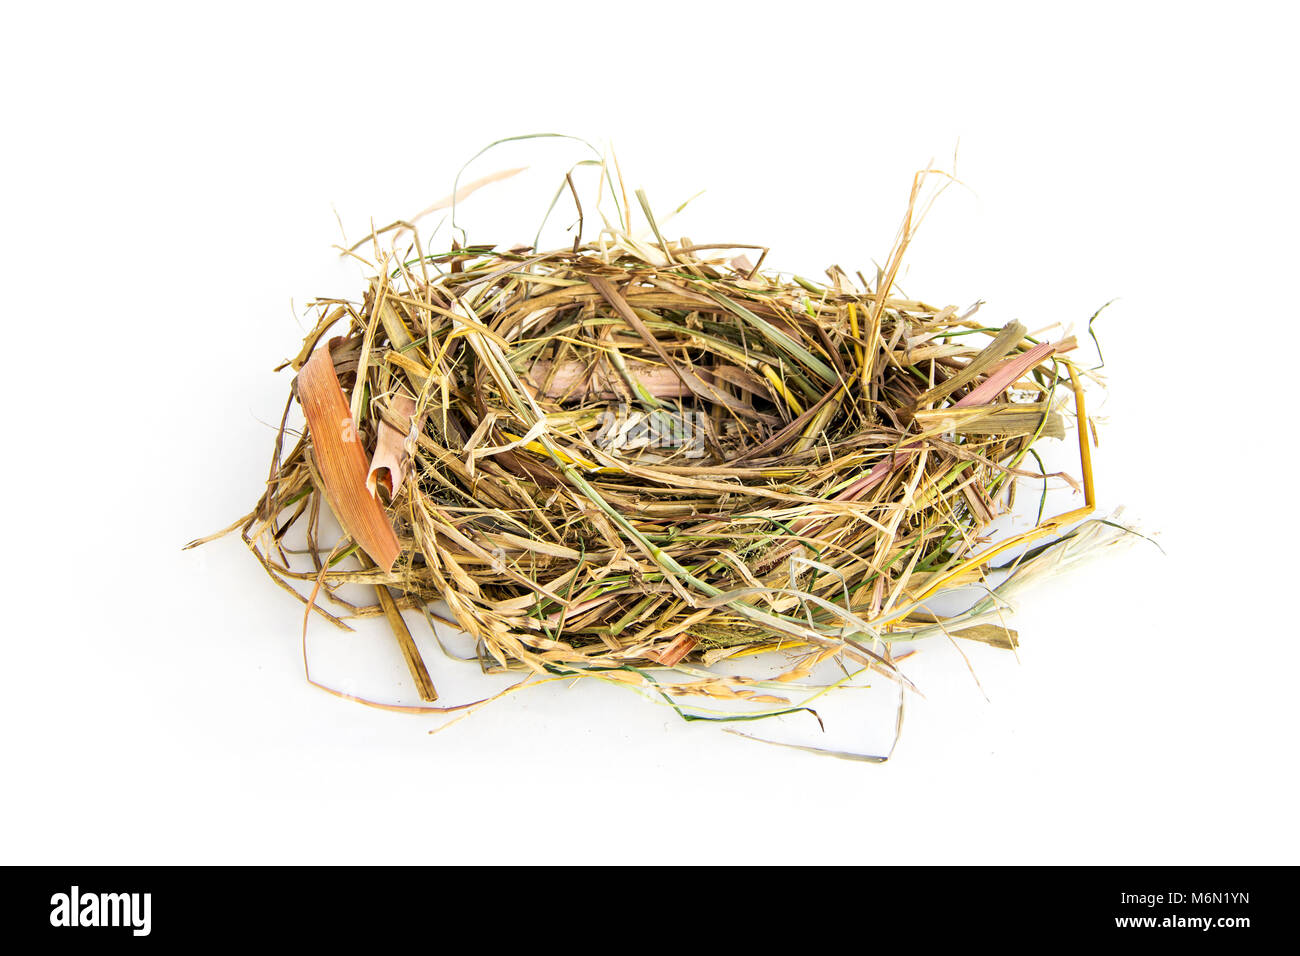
[(640, 459)]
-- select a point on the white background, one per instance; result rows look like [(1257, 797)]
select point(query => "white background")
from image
[(170, 181)]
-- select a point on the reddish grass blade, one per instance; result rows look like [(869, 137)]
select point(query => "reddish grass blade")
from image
[(341, 460), (1002, 376)]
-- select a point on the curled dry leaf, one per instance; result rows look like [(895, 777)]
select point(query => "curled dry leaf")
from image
[(389, 465)]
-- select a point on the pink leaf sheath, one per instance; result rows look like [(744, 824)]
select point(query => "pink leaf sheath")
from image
[(389, 464)]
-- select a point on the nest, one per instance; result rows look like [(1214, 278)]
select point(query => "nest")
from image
[(639, 459)]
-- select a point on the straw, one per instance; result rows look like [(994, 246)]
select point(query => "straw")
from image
[(639, 459)]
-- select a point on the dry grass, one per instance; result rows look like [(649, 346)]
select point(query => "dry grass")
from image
[(636, 459)]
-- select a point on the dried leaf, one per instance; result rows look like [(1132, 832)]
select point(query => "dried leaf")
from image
[(336, 447)]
